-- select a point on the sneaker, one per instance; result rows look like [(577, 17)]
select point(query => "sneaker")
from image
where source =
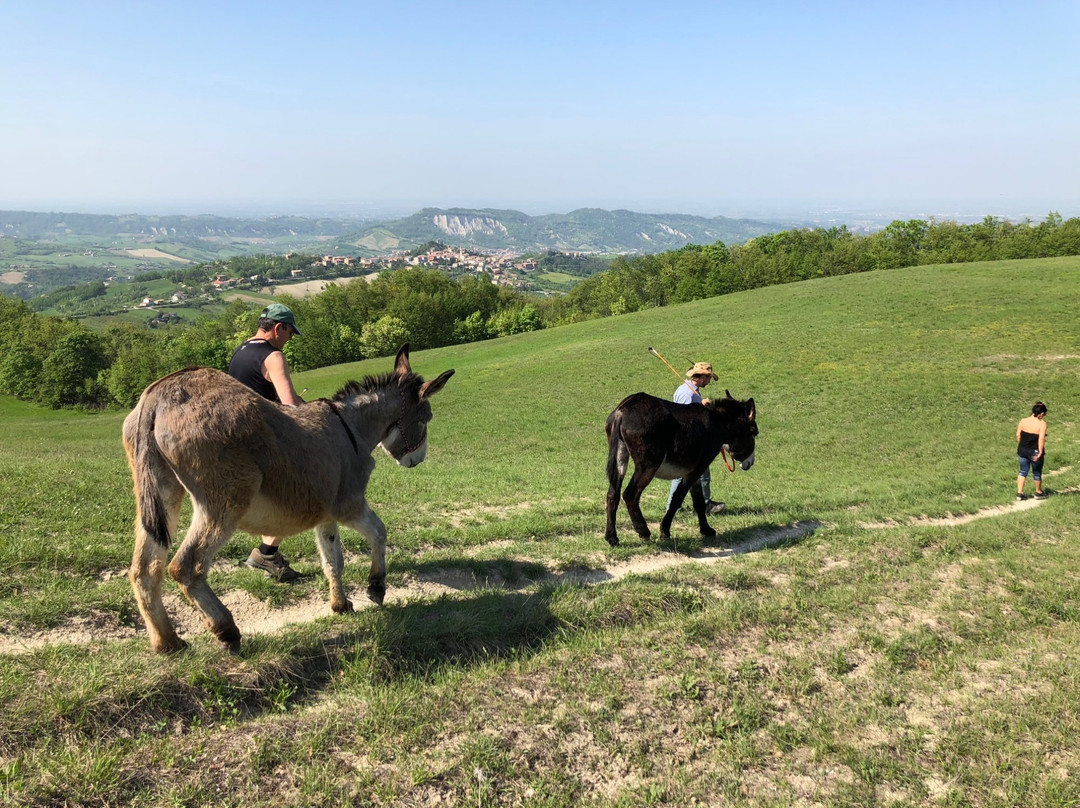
[(1020, 497), (714, 507), (1041, 495), (275, 566)]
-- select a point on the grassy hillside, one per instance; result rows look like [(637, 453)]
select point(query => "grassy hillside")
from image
[(911, 642)]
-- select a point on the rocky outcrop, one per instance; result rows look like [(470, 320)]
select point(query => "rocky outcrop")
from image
[(466, 226)]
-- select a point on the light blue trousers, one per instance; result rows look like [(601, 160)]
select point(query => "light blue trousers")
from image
[(705, 481)]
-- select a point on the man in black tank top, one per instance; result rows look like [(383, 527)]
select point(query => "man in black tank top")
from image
[(260, 364)]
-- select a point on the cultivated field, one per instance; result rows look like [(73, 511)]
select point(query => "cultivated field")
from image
[(151, 253), (301, 289), (877, 622)]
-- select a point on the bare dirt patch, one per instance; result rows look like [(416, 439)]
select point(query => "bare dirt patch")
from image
[(12, 278), (1043, 357), (303, 289), (149, 253)]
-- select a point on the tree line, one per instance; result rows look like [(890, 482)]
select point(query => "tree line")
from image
[(60, 362), (691, 273)]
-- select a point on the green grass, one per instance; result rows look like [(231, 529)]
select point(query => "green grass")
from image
[(554, 281), (922, 664)]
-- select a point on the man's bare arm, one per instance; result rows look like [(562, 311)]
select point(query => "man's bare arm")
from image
[(276, 369)]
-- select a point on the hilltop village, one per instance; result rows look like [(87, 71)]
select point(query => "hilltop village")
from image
[(506, 267), (304, 274)]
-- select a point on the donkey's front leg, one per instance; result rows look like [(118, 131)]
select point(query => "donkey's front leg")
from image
[(697, 495), (677, 498), (372, 528), (333, 563)]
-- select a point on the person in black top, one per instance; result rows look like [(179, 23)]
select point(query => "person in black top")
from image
[(1031, 449), (260, 364)]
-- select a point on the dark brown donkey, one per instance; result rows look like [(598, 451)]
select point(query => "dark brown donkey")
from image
[(264, 468), (672, 441)]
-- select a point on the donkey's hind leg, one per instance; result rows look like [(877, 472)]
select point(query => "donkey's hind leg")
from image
[(191, 565), (147, 572), (373, 529), (328, 540), (641, 477)]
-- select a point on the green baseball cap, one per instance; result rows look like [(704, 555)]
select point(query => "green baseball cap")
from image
[(280, 313)]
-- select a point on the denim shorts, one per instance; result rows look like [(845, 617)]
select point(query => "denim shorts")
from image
[(1036, 466)]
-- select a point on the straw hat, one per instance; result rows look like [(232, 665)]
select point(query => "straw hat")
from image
[(702, 369)]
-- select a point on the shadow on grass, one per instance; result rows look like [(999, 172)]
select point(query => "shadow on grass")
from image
[(469, 574), (741, 540), (490, 617), (419, 640), (422, 639)]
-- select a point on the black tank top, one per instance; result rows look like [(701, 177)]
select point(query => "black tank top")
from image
[(1029, 443), (246, 366)]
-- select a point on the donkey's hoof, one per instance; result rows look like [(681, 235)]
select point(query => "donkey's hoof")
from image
[(174, 646), (229, 636), (612, 539), (643, 532), (376, 594), (342, 607), (708, 532)]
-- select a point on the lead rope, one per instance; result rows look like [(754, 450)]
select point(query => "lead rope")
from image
[(723, 454), (349, 432)]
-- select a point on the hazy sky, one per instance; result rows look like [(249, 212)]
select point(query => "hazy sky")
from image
[(734, 108)]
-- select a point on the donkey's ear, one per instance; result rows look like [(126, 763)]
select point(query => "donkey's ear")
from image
[(401, 364), (428, 389), (750, 409), (728, 393)]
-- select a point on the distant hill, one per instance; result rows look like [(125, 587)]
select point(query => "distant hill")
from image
[(583, 230), (58, 226)]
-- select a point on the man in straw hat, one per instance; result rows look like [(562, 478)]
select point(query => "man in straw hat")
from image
[(689, 393), (260, 364)]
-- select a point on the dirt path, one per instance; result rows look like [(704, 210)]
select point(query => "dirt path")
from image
[(259, 617), (254, 616)]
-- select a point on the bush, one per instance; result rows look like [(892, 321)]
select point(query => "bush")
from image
[(383, 337), (69, 374)]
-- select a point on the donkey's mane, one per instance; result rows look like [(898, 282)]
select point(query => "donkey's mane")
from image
[(372, 384), (731, 407)]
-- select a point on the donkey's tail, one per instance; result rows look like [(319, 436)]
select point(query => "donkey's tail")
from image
[(147, 464), (615, 469)]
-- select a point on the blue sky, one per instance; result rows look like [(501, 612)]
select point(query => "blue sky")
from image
[(690, 107)]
